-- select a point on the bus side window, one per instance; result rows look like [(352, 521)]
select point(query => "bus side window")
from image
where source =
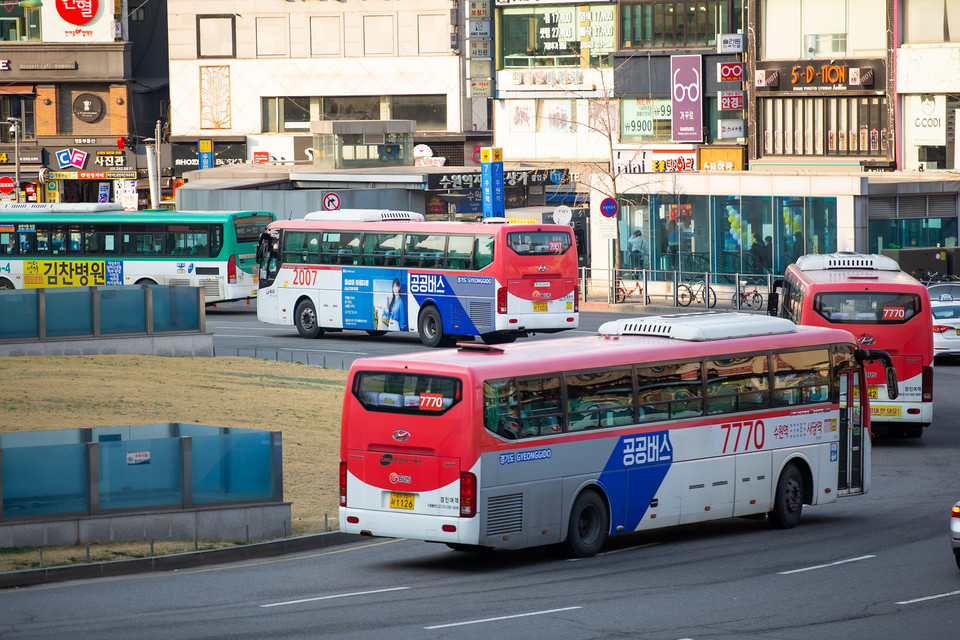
[(8, 244), (484, 251), (460, 252), (737, 384), (540, 407), (500, 407), (801, 377)]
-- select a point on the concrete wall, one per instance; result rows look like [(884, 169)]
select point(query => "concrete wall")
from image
[(156, 345), (222, 524)]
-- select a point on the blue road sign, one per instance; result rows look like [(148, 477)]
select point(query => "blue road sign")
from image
[(608, 207)]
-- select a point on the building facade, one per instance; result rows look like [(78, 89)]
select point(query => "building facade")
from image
[(70, 89), (251, 78)]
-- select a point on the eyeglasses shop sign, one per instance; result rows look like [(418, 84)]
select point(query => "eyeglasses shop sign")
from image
[(927, 119)]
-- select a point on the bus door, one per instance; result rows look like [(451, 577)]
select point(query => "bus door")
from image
[(852, 433)]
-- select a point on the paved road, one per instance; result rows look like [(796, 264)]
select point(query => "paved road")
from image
[(871, 567)]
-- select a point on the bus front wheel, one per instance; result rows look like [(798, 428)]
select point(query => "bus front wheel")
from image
[(788, 501), (589, 522), (430, 328), (305, 317)]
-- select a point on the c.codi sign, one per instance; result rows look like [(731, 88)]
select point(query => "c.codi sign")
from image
[(730, 71)]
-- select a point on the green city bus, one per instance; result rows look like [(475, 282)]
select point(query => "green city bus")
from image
[(77, 245)]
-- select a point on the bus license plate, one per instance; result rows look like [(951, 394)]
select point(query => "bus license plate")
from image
[(539, 306), (401, 500), (872, 392)]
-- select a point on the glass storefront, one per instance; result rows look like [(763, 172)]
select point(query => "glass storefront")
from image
[(729, 234), (912, 232)]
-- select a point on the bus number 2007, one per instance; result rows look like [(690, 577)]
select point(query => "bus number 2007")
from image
[(748, 432), (305, 277)]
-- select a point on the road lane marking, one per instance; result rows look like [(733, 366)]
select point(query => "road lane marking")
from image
[(338, 595), (607, 553), (824, 566), (497, 619), (925, 598)]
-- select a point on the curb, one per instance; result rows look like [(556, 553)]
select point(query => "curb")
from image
[(14, 579)]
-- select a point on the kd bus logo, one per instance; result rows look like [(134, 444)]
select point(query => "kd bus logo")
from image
[(730, 71)]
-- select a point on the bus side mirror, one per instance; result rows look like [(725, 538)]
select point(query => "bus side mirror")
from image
[(892, 390), (773, 303)]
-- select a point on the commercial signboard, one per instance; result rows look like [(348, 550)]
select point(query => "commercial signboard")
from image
[(686, 93)]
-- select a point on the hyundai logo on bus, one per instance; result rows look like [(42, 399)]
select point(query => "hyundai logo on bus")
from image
[(866, 340), (401, 435)]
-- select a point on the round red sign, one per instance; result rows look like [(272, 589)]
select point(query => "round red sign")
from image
[(30, 189), (6, 184), (77, 12)]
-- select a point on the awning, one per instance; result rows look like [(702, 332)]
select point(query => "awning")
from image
[(17, 89)]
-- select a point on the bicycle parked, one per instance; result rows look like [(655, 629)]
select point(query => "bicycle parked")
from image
[(744, 299), (694, 292), (622, 292)]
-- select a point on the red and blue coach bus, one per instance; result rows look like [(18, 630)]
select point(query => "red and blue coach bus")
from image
[(383, 271), (869, 296), (657, 421)]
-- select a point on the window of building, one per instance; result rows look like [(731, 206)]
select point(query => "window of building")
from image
[(855, 126), (325, 37), (19, 24), (931, 21), (433, 33), (379, 36), (22, 107), (351, 108), (556, 36), (216, 36), (137, 15), (794, 29), (654, 24), (271, 37), (430, 112)]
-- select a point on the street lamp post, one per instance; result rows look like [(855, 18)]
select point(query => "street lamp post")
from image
[(15, 128)]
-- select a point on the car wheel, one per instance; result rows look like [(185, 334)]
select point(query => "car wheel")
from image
[(305, 317), (788, 501), (430, 328), (589, 523)]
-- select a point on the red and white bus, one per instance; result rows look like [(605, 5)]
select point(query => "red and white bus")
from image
[(657, 421), (869, 296), (386, 271)]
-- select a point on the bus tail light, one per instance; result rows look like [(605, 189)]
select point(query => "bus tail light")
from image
[(232, 270), (468, 494), (939, 328), (343, 484), (955, 512), (576, 298), (502, 300), (926, 385)]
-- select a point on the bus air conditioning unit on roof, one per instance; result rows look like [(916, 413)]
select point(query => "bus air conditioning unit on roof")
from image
[(699, 327), (365, 215), (846, 260)]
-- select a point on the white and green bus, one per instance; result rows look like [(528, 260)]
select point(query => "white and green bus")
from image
[(78, 245)]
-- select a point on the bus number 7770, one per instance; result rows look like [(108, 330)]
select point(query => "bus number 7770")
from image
[(755, 433)]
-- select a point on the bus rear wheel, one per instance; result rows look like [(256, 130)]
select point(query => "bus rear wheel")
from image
[(6, 285), (589, 523), (430, 328), (788, 501), (305, 317)]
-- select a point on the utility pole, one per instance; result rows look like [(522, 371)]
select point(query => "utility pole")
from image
[(15, 127)]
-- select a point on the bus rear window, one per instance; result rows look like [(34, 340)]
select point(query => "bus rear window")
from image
[(866, 307), (249, 228), (411, 393), (538, 243)]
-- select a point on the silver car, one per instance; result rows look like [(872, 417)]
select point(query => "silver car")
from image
[(946, 327), (955, 532)]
